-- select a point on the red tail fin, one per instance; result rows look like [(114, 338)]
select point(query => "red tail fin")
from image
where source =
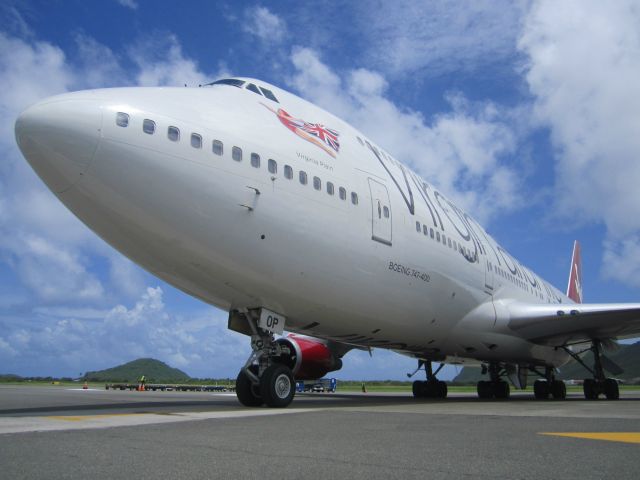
[(574, 290)]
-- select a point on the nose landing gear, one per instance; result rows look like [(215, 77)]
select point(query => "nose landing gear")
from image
[(265, 379)]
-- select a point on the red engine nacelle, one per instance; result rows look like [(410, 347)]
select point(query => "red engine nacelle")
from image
[(309, 359)]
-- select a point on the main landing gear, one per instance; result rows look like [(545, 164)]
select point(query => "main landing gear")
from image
[(550, 387), (495, 388), (599, 384), (264, 379), (432, 387)]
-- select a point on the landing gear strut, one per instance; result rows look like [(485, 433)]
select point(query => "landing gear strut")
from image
[(599, 384), (264, 379), (495, 388), (432, 387), (542, 389)]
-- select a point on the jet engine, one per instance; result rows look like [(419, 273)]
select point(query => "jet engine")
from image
[(309, 358)]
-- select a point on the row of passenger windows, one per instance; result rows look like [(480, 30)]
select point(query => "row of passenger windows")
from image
[(217, 147), (446, 241)]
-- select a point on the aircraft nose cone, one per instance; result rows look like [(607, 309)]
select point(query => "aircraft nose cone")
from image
[(59, 136)]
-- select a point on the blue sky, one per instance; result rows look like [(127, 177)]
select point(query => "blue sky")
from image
[(525, 113)]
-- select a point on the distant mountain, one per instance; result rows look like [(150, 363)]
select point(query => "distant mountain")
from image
[(627, 357), (155, 371)]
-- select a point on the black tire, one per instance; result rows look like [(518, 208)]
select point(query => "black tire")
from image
[(484, 390), (246, 391), (501, 390), (417, 389), (277, 386), (590, 389), (559, 390), (611, 389), (540, 390), (430, 389)]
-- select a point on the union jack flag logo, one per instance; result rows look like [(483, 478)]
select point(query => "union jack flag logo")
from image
[(324, 137), (327, 135)]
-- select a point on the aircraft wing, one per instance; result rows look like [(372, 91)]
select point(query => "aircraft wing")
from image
[(561, 324)]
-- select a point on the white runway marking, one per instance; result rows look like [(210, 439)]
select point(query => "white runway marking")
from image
[(79, 422)]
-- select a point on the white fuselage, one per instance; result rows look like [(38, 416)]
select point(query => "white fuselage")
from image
[(400, 268)]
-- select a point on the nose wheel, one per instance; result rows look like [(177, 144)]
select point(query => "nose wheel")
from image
[(265, 379)]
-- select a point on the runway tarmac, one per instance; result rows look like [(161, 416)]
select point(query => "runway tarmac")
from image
[(57, 432)]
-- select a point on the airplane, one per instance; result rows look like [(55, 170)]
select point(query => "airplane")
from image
[(262, 204)]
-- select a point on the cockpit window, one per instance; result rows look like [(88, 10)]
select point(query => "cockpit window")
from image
[(253, 88), (269, 94), (228, 81)]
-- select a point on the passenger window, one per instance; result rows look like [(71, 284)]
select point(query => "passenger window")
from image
[(425, 230), (272, 166), (418, 228), (288, 172), (173, 133), (269, 94), (438, 236), (354, 198), (444, 239), (343, 193), (317, 184), (253, 88), (303, 177), (196, 140), (255, 160), (217, 147), (455, 245), (122, 119), (385, 212), (431, 233), (148, 126), (236, 154), (330, 188), (449, 242)]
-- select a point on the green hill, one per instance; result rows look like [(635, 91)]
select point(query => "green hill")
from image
[(628, 357), (154, 370)]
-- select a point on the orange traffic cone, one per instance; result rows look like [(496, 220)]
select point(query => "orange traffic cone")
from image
[(85, 386)]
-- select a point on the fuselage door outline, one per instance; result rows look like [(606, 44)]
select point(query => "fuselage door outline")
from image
[(381, 224)]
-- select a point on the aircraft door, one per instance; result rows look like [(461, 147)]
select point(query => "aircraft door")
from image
[(488, 276), (381, 213)]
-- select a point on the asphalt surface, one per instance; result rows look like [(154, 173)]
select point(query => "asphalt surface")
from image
[(55, 432)]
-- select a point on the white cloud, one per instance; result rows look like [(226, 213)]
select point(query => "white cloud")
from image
[(67, 341), (99, 66), (464, 151), (437, 37), (160, 61), (583, 68), (52, 273), (28, 72), (132, 4), (268, 27)]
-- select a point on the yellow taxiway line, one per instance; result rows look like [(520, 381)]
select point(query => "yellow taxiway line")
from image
[(624, 437)]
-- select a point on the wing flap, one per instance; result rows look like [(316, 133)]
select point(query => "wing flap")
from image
[(560, 324)]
